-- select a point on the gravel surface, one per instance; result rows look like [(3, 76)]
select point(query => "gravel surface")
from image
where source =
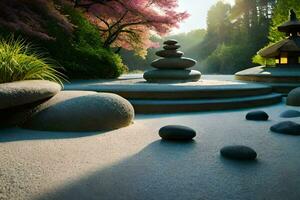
[(133, 162)]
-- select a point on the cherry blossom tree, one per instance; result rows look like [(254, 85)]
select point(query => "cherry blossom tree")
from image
[(129, 23)]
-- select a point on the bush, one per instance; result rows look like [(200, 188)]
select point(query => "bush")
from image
[(257, 59), (18, 61), (80, 53)]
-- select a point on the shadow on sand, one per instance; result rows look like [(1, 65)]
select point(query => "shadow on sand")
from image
[(18, 134), (162, 170)]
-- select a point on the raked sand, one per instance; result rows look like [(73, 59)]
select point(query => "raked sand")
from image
[(133, 163)]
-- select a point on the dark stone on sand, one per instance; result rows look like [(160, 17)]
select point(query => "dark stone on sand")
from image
[(238, 152), (257, 116), (290, 114), (177, 132), (286, 127)]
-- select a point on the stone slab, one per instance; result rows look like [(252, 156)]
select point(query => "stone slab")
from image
[(172, 76), (25, 92)]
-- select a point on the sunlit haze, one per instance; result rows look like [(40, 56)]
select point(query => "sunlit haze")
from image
[(198, 11)]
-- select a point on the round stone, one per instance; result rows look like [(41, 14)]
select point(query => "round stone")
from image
[(159, 76), (169, 53), (257, 116), (170, 42), (293, 98), (82, 111), (171, 47), (176, 132), (290, 114), (173, 63), (25, 92), (286, 127), (238, 152)]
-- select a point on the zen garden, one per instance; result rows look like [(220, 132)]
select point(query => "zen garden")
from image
[(150, 99)]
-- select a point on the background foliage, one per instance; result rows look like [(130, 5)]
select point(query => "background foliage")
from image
[(20, 61), (76, 33), (64, 33), (233, 36)]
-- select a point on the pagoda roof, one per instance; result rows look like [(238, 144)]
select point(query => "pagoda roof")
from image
[(290, 27), (291, 44)]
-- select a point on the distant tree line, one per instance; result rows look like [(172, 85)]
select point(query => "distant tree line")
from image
[(189, 42), (233, 36)]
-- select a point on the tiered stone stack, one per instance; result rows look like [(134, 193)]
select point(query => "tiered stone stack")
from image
[(172, 67)]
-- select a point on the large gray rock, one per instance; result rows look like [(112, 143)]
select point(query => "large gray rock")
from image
[(173, 63), (293, 98), (25, 92), (160, 76), (82, 111)]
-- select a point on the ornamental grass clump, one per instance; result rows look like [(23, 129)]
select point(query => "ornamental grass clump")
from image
[(19, 61)]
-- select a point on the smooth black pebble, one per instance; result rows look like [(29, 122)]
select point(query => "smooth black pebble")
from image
[(238, 152), (290, 114), (286, 127), (257, 116), (177, 132)]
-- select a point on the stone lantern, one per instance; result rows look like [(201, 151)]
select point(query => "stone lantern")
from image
[(287, 51), (285, 74)]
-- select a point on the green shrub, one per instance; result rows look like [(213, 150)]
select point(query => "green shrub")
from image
[(80, 53), (257, 59), (18, 61)]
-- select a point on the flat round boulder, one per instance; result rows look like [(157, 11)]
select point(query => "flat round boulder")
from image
[(169, 76), (286, 127), (238, 152), (170, 42), (176, 132), (169, 53), (26, 92), (290, 114), (293, 98), (171, 47), (173, 63), (82, 111), (257, 116)]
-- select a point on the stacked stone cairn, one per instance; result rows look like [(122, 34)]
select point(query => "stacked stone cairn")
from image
[(172, 67)]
